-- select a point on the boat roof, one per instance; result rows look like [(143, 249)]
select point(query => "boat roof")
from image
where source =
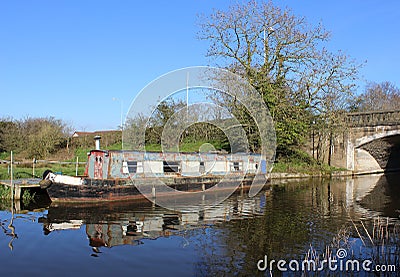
[(166, 152)]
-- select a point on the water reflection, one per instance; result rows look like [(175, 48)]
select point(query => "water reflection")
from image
[(384, 196), (301, 216), (9, 231), (113, 224), (227, 239), (297, 206)]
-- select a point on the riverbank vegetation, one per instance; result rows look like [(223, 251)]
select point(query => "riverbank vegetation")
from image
[(5, 193), (33, 137)]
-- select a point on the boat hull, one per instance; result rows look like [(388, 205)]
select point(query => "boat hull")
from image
[(94, 190)]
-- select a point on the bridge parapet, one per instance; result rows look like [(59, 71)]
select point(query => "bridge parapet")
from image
[(375, 118)]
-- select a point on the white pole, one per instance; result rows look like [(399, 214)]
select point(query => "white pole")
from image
[(10, 226), (266, 37), (265, 48), (187, 95), (122, 125), (11, 177), (121, 120), (76, 166), (33, 167)]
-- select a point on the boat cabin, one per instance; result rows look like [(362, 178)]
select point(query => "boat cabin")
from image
[(116, 164)]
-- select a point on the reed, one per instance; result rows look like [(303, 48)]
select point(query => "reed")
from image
[(5, 192), (380, 243), (385, 241), (27, 197)]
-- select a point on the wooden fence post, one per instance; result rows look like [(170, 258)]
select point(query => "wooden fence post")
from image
[(33, 167)]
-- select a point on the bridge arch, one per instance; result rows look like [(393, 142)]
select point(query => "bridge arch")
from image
[(383, 134), (375, 158), (367, 131)]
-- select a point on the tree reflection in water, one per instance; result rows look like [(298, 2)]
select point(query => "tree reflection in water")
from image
[(310, 214)]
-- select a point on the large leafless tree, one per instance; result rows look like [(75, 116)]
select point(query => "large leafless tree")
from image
[(378, 96), (284, 58)]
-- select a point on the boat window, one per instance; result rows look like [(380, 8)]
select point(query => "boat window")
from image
[(132, 166), (171, 166), (202, 168), (236, 166)]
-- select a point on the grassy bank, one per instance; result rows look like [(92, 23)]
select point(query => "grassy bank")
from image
[(25, 170), (302, 167), (297, 161), (197, 146)]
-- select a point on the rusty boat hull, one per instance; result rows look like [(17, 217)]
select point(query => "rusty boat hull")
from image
[(94, 190)]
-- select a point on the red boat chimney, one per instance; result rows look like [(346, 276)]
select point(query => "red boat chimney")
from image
[(97, 142)]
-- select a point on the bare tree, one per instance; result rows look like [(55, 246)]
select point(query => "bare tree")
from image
[(378, 96), (282, 56)]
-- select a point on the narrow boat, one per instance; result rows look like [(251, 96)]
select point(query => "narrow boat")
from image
[(115, 175)]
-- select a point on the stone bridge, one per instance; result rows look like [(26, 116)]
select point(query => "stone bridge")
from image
[(371, 142)]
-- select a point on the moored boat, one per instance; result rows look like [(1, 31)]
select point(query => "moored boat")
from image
[(122, 175)]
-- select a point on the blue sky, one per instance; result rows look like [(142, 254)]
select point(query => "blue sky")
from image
[(69, 58)]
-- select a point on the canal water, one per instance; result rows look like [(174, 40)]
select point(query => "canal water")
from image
[(290, 221)]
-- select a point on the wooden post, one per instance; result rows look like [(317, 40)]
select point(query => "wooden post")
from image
[(33, 167), (17, 192), (76, 166)]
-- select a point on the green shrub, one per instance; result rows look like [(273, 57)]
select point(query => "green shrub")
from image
[(5, 192)]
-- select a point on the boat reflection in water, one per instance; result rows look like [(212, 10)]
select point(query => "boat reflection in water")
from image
[(129, 223)]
